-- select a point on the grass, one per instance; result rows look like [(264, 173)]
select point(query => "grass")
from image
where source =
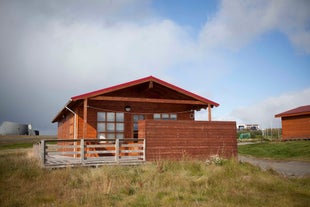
[(295, 150), (8, 142), (15, 146), (161, 183)]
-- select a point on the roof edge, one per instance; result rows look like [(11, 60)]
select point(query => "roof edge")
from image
[(111, 88), (62, 111), (132, 83), (302, 110), (292, 114), (142, 80), (186, 92)]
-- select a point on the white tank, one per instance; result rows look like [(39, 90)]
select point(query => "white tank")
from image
[(12, 128)]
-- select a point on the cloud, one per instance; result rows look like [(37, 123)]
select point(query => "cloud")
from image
[(89, 42), (239, 22), (51, 51), (263, 112), (82, 50)]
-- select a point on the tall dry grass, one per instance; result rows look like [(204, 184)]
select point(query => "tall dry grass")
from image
[(161, 183)]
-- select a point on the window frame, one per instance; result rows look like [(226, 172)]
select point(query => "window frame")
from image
[(111, 123), (165, 116)]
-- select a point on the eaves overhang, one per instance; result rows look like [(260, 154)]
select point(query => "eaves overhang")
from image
[(199, 101)]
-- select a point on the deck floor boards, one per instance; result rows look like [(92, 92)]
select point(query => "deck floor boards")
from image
[(54, 161)]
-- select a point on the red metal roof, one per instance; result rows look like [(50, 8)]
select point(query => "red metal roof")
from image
[(302, 110), (139, 81), (74, 99)]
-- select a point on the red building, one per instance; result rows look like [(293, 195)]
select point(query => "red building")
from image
[(148, 108), (295, 123)]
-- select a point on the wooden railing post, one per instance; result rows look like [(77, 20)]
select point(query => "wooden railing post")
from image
[(144, 146), (209, 112), (117, 150), (82, 151), (43, 152)]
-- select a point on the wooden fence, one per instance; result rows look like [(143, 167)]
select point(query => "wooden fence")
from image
[(176, 139), (90, 152)]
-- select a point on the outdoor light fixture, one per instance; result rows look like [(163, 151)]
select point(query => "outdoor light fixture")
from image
[(127, 108)]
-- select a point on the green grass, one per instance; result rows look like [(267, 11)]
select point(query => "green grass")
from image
[(15, 146), (20, 141), (294, 150), (161, 183)]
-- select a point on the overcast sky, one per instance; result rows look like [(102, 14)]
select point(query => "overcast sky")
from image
[(252, 57)]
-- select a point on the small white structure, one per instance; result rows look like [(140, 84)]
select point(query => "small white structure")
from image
[(13, 128), (248, 126)]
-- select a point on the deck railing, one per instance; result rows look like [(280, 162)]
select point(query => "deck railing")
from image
[(90, 152)]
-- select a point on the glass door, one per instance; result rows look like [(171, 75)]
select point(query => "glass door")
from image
[(136, 118)]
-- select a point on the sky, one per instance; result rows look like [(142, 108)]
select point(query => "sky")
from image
[(250, 56)]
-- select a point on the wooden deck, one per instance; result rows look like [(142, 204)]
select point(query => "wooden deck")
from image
[(90, 152)]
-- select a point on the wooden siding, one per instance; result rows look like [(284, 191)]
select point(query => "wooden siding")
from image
[(66, 127), (296, 127), (136, 108), (195, 139)]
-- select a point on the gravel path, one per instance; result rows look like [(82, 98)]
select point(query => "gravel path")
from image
[(286, 168)]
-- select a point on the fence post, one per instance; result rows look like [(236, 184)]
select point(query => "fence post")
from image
[(144, 146), (43, 153), (117, 150), (82, 151)]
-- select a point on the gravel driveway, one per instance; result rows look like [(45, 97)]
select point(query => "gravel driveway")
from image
[(286, 168)]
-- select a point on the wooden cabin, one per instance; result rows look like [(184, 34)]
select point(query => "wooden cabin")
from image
[(149, 108), (295, 123)]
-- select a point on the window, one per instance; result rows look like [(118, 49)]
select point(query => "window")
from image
[(110, 125), (157, 116), (165, 116), (173, 117)]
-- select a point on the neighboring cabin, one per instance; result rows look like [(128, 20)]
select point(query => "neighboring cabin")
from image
[(295, 123), (161, 113)]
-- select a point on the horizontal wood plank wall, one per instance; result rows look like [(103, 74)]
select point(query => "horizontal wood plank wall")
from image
[(136, 108), (65, 127), (296, 127), (194, 139)]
